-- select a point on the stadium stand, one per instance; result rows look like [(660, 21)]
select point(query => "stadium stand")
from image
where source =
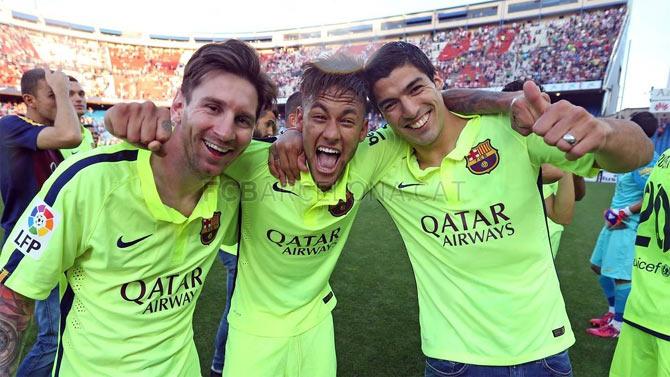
[(550, 50)]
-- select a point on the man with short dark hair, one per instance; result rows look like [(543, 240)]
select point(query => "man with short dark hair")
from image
[(291, 110), (28, 155), (135, 232), (29, 145), (266, 125), (78, 98), (488, 293)]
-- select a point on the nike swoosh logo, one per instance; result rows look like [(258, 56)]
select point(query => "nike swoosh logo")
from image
[(123, 245), (404, 185), (276, 187)]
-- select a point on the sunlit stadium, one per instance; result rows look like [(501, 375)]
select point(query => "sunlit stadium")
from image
[(578, 50)]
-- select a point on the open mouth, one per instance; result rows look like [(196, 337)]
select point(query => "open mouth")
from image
[(419, 123), (326, 159), (217, 150)]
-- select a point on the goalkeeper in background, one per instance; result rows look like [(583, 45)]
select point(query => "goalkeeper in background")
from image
[(613, 254)]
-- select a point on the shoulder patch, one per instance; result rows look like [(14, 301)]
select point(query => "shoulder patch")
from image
[(32, 236)]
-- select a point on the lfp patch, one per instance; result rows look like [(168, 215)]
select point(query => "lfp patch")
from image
[(483, 158), (32, 237)]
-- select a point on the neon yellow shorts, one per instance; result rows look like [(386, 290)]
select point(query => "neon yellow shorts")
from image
[(311, 353), (640, 354)]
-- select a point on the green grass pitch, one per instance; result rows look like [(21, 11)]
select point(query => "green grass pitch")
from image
[(376, 319)]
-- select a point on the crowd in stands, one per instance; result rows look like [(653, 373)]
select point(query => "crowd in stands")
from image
[(12, 108), (570, 48)]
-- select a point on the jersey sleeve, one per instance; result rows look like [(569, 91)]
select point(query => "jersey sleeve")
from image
[(252, 162), (47, 238), (16, 132), (541, 153), (377, 153)]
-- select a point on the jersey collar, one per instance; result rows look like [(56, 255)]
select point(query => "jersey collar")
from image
[(463, 145), (206, 205), (30, 121), (333, 196)]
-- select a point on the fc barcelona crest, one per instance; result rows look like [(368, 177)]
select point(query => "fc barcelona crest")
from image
[(482, 158), (209, 228), (342, 207)]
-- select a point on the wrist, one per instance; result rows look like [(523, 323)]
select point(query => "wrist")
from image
[(507, 101), (627, 211), (606, 131)]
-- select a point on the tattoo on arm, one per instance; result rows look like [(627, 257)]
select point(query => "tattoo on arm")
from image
[(167, 125), (471, 101), (15, 314)]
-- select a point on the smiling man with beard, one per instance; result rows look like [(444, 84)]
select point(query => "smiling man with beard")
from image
[(136, 233), (473, 220)]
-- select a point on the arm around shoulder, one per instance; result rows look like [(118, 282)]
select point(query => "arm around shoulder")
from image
[(625, 147)]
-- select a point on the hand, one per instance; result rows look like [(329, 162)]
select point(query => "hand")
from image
[(57, 81), (551, 174), (614, 218), (561, 118), (523, 115), (287, 157), (144, 125)]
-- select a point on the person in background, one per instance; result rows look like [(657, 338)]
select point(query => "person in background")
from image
[(291, 109), (78, 98), (29, 153), (612, 258), (266, 125)]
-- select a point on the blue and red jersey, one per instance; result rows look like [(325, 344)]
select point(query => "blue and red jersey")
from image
[(23, 166)]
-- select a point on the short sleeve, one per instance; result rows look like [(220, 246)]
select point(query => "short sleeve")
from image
[(377, 153), (16, 132), (541, 153), (45, 241)]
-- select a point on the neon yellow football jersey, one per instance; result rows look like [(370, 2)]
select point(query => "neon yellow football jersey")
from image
[(293, 236), (476, 235), (86, 144), (134, 266), (647, 307)]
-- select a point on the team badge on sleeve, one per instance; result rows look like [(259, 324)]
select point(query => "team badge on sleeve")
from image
[(209, 228), (32, 236), (483, 158)]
